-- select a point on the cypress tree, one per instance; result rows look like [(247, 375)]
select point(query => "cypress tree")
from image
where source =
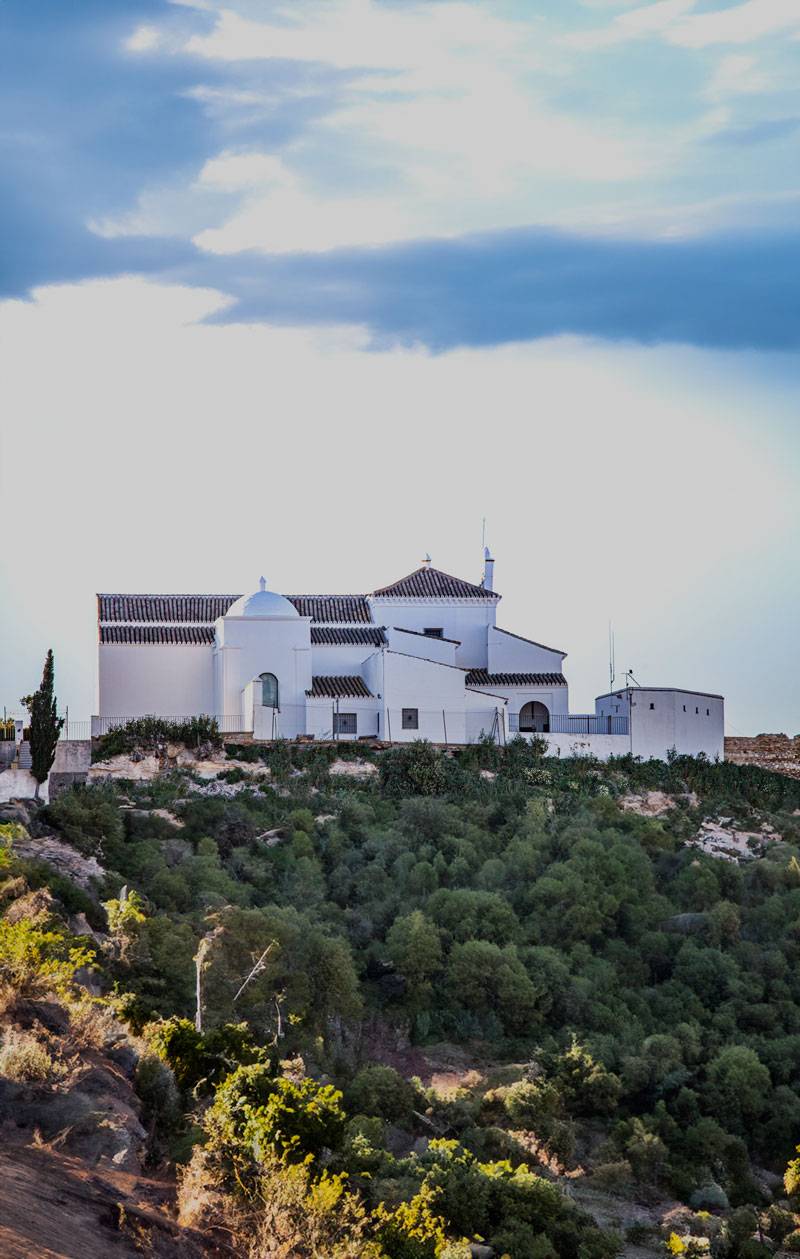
[(45, 723)]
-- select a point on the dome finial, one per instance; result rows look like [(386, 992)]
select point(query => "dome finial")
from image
[(262, 583)]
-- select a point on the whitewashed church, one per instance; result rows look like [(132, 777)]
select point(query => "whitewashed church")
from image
[(421, 658)]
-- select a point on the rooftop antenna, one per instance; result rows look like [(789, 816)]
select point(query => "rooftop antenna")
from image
[(612, 662), (630, 678)]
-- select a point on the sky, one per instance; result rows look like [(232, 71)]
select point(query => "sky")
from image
[(311, 289)]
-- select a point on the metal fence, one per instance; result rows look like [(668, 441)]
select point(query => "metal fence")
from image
[(230, 723), (345, 720), (572, 723)]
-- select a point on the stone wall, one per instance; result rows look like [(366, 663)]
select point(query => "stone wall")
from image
[(777, 752)]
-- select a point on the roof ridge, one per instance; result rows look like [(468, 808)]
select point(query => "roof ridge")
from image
[(429, 571)]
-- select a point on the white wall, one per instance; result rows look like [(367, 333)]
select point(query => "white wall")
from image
[(168, 680), (509, 654), (254, 645), (466, 620), (663, 718), (482, 708), (600, 745), (20, 784), (437, 691), (412, 643), (339, 659), (319, 717)]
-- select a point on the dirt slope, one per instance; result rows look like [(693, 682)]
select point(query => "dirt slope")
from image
[(54, 1206)]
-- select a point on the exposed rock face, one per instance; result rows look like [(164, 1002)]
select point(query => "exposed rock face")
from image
[(353, 769), (718, 837), (137, 769), (655, 803), (203, 762), (777, 752), (63, 858)]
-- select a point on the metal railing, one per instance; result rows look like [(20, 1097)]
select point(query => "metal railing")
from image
[(571, 723), (394, 725)]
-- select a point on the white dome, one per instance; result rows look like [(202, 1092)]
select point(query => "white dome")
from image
[(262, 602)]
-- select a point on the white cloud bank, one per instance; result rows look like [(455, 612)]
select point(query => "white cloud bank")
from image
[(643, 484), (444, 127)]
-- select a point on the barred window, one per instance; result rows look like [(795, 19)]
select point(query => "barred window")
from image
[(345, 723), (411, 719)]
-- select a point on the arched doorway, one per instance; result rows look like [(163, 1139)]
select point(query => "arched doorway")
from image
[(534, 718), (269, 690)]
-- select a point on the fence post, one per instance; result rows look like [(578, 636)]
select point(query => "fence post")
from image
[(389, 722)]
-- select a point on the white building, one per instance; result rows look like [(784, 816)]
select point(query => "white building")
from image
[(420, 658)]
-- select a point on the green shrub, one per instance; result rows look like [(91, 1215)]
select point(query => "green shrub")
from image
[(24, 1060), (413, 769), (413, 1230), (35, 961), (709, 1197), (148, 734), (255, 1114), (161, 1109), (88, 817), (381, 1091), (202, 1060)]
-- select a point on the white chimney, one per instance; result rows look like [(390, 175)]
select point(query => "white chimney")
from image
[(488, 570), (426, 563)]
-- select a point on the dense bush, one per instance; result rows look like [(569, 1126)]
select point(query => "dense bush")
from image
[(149, 734), (652, 990)]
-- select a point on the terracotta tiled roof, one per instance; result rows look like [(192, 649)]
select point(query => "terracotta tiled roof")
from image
[(333, 608), (202, 609), (431, 583), (482, 677), (339, 688), (347, 636), (196, 635)]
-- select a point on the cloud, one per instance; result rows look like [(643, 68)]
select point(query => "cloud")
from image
[(561, 440), (737, 74), (398, 194), (676, 22), (731, 292), (442, 125), (761, 132), (743, 24)]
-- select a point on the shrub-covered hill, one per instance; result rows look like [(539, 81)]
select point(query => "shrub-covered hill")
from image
[(621, 1001)]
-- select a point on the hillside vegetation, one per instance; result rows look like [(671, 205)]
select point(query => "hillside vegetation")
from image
[(481, 1003)]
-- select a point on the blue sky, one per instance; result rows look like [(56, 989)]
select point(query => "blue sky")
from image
[(392, 193)]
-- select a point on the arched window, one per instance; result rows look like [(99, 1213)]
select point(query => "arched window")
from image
[(534, 717), (269, 690)]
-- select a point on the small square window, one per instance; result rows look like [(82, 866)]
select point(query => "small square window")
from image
[(697, 710), (708, 712), (411, 719), (652, 705), (345, 723), (433, 632)]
